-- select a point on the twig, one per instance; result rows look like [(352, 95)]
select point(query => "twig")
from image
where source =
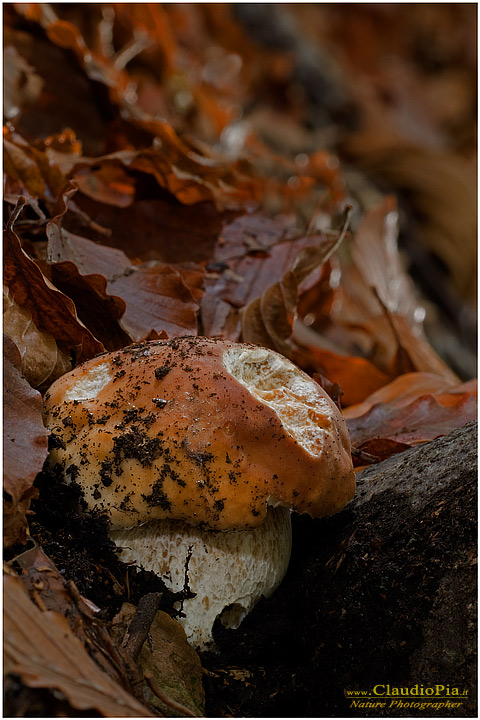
[(184, 711), (137, 631)]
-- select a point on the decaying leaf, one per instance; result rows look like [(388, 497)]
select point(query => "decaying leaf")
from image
[(48, 588), (414, 417), (42, 361), (43, 651), (156, 299), (268, 320), (51, 310), (24, 443), (168, 657)]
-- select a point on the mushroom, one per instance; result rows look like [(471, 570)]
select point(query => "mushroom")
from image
[(198, 449)]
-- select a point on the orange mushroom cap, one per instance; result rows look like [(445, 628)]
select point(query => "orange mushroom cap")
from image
[(198, 429)]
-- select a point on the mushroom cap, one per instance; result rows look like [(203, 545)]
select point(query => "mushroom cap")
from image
[(202, 430)]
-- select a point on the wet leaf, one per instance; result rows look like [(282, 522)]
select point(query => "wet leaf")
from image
[(43, 651)]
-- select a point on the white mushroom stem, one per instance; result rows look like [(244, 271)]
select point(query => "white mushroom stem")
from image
[(227, 571)]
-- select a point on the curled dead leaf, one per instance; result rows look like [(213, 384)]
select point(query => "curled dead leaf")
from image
[(268, 319), (51, 310), (413, 417), (42, 361)]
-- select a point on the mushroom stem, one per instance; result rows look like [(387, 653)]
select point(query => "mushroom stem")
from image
[(228, 571)]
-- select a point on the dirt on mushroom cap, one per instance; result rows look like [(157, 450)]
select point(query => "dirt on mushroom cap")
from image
[(163, 430)]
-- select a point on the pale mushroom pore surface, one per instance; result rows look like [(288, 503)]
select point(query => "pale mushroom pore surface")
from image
[(228, 571)]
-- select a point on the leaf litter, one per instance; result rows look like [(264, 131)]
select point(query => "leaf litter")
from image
[(156, 199)]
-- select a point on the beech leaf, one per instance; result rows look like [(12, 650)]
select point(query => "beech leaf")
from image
[(169, 658), (268, 320), (51, 310), (425, 418), (42, 361), (156, 299)]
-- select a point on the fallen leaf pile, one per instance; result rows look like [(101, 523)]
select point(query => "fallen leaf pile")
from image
[(170, 171)]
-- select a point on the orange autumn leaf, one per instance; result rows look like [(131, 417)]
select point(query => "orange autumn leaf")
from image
[(403, 390), (357, 376)]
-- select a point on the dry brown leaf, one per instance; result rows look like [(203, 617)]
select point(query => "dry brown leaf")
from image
[(378, 303), (420, 421), (50, 591), (106, 182), (253, 233), (100, 311), (25, 437), (442, 193), (242, 279), (142, 301), (268, 320), (91, 258), (24, 443), (42, 361), (15, 523), (38, 177), (51, 310), (159, 228), (356, 376), (42, 650), (157, 299)]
